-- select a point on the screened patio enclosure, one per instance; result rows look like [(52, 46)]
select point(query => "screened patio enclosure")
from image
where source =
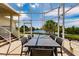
[(34, 16)]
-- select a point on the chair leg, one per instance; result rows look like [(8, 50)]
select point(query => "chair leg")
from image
[(30, 52), (21, 51), (52, 53), (61, 52), (26, 52), (55, 51)]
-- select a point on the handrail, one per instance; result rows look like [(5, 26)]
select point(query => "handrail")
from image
[(5, 29), (3, 33), (13, 32)]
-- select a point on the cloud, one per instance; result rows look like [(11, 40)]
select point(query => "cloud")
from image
[(70, 22), (34, 5), (24, 17), (73, 11), (54, 13), (75, 23), (37, 5), (19, 4)]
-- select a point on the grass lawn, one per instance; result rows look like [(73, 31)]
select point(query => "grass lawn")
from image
[(72, 36)]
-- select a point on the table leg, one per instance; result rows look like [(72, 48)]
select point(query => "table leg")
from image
[(55, 51), (30, 52), (52, 53)]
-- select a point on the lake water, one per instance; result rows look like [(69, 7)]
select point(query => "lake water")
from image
[(39, 31)]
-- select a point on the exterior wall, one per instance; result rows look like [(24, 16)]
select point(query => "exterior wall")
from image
[(5, 22)]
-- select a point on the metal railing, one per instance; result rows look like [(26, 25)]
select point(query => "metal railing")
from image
[(6, 34)]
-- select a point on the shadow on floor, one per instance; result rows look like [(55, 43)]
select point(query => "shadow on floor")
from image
[(68, 52)]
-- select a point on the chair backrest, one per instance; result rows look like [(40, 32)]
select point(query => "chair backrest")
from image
[(52, 36), (38, 52), (24, 40), (59, 41), (29, 37)]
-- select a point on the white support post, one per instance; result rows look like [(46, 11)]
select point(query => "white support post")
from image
[(31, 21), (63, 30), (58, 21), (11, 31), (11, 18), (19, 27)]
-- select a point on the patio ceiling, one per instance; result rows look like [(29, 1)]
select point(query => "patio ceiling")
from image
[(7, 10)]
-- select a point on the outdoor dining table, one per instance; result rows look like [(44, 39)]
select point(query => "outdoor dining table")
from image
[(42, 41)]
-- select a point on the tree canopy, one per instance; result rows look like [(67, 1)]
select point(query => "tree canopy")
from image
[(26, 28), (22, 28), (72, 30), (49, 26)]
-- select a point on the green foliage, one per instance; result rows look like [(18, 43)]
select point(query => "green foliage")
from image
[(72, 30), (33, 28), (49, 26), (37, 29), (72, 36), (16, 28), (72, 33), (22, 28), (26, 28)]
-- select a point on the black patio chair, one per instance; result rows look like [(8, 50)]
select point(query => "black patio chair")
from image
[(59, 41), (41, 52), (24, 49), (52, 36), (29, 37)]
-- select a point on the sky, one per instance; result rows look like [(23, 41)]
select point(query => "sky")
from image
[(71, 17)]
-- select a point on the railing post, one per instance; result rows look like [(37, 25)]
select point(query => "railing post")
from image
[(63, 16)]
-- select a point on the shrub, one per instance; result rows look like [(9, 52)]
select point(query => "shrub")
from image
[(72, 37)]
